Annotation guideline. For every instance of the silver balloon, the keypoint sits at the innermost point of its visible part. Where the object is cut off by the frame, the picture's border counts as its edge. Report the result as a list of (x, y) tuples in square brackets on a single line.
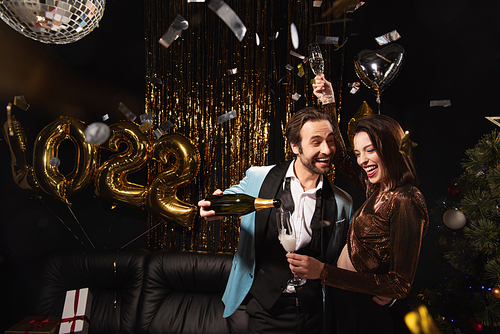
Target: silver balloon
[(377, 69), (97, 133), (53, 21)]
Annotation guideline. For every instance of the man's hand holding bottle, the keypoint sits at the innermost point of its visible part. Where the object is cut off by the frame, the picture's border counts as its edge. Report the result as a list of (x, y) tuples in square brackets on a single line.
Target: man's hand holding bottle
[(210, 214)]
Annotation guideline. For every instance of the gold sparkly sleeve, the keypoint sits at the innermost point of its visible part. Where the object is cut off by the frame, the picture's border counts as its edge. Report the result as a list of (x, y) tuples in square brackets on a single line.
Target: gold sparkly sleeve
[(342, 159), (408, 222)]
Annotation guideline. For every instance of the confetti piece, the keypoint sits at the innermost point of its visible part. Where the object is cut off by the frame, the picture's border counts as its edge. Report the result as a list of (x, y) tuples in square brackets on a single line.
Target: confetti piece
[(295, 35), (162, 129), (226, 117), (275, 37), (440, 103), (126, 111), (154, 80), (327, 40), (145, 127), (353, 8), (147, 117), (174, 31), (298, 55), (228, 15), (20, 102), (354, 87), (54, 162), (301, 70), (387, 38)]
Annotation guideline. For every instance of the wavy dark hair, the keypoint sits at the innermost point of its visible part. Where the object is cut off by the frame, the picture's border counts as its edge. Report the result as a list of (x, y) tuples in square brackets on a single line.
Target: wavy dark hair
[(386, 134), (297, 121)]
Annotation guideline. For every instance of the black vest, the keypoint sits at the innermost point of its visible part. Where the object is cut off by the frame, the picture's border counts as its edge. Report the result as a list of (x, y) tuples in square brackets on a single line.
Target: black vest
[(272, 271)]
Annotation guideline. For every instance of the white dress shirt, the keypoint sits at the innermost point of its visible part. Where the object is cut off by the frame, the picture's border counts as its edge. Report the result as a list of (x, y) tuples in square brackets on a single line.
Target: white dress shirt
[(305, 204)]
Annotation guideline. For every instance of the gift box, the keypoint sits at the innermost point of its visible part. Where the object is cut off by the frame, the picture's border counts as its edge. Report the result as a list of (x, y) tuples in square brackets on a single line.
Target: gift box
[(35, 325), (76, 312)]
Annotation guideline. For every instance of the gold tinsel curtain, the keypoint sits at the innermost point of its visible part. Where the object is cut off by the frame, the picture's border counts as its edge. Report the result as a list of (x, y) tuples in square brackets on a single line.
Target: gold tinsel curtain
[(198, 86)]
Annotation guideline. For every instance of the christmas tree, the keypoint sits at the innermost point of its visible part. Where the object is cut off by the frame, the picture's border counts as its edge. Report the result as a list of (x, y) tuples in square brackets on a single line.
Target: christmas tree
[(469, 246)]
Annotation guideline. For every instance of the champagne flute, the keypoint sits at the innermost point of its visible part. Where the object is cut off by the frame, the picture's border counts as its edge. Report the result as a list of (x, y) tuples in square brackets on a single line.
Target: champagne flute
[(316, 60), (288, 239)]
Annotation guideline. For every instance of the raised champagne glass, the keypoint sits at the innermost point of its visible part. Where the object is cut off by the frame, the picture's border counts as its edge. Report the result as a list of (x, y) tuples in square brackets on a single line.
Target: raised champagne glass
[(288, 239), (316, 61)]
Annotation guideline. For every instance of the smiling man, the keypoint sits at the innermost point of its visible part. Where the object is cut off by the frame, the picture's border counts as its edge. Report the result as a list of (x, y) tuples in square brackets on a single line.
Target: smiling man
[(257, 289)]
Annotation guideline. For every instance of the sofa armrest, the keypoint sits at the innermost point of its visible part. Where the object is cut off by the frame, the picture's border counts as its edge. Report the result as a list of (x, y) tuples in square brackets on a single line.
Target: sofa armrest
[(182, 293), (113, 277)]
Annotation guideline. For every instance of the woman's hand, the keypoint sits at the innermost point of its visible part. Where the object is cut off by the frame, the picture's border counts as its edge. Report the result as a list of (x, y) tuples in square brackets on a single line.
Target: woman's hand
[(209, 215), (323, 90), (305, 266)]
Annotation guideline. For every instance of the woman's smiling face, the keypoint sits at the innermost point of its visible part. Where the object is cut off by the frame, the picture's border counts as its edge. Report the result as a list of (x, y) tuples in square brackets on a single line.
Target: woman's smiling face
[(369, 159)]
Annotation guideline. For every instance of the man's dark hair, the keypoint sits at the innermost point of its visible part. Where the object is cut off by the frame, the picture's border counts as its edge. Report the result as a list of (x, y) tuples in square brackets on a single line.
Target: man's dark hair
[(297, 121)]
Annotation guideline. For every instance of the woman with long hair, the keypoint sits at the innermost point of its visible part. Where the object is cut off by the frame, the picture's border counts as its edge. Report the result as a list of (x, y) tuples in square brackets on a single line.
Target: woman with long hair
[(380, 257)]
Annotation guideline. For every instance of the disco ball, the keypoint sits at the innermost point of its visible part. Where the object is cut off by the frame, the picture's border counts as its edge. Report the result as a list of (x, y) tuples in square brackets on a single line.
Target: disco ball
[(52, 21)]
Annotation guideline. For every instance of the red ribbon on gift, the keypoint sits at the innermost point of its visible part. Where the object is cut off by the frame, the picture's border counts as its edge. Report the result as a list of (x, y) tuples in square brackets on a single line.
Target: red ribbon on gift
[(75, 317), (37, 322)]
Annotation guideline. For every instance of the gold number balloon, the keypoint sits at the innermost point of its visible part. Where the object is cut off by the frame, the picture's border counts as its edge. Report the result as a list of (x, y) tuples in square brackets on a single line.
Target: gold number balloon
[(50, 179), (162, 197), (22, 172), (111, 181)]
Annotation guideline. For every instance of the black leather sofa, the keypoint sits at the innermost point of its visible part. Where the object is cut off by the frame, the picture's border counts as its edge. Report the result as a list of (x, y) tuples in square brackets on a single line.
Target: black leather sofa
[(135, 291)]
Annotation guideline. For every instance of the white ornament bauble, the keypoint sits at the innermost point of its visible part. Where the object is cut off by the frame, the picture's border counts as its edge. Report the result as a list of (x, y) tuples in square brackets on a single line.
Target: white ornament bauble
[(52, 21), (454, 219)]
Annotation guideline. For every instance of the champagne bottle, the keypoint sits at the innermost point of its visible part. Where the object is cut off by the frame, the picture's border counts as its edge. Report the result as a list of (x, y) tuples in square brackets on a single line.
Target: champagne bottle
[(238, 204)]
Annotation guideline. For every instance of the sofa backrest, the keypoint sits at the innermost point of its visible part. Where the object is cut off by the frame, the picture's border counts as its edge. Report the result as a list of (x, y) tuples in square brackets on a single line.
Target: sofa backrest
[(182, 293), (113, 277)]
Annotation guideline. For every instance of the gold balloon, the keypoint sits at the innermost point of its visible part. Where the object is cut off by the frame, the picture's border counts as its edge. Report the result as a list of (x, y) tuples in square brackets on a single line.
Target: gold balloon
[(363, 110), (406, 144), (111, 181), (22, 172), (162, 196), (50, 179), (421, 322)]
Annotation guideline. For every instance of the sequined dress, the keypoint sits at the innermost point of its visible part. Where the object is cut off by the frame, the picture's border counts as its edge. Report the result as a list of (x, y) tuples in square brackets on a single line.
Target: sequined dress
[(384, 238)]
